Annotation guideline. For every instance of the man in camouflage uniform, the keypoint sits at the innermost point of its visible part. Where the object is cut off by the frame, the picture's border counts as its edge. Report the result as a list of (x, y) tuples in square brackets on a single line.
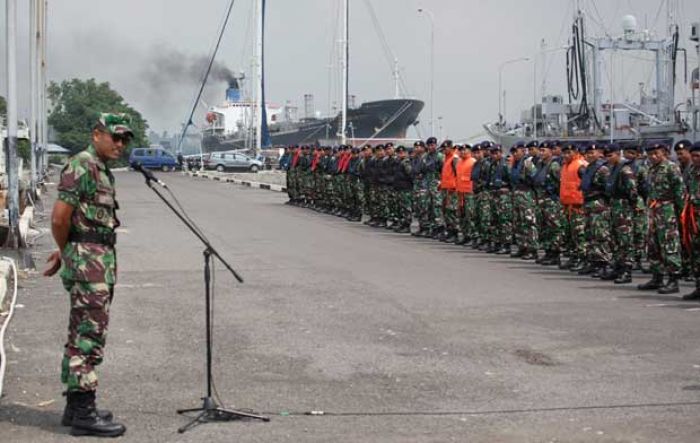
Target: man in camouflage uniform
[(597, 212), (421, 196), (691, 219), (666, 200), (682, 150), (83, 223), (433, 169), (481, 195), (524, 219), (448, 183), (546, 182), (621, 189), (354, 186), (639, 216), (403, 187), (374, 173), (574, 217), (501, 228)]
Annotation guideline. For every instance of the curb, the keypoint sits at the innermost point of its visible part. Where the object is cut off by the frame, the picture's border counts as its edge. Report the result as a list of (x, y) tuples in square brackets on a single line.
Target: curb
[(235, 181)]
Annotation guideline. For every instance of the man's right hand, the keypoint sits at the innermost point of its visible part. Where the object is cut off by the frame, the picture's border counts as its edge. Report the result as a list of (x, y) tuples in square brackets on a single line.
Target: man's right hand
[(54, 264)]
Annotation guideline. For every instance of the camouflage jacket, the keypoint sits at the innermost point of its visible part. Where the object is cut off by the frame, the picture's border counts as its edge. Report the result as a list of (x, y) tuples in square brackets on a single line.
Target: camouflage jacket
[(622, 183), (666, 183), (693, 186), (547, 179), (88, 186)]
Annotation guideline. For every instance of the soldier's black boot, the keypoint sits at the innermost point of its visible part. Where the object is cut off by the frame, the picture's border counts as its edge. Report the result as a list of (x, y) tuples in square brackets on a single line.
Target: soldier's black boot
[(655, 283), (450, 237), (518, 253), (671, 286), (611, 273), (493, 247), (529, 255), (695, 295), (624, 277), (87, 422), (504, 250), (550, 259), (600, 270), (69, 412), (586, 269)]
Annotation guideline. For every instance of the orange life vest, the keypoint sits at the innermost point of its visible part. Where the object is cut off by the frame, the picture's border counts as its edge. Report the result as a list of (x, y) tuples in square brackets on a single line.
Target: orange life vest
[(570, 190), (448, 179), (464, 175)]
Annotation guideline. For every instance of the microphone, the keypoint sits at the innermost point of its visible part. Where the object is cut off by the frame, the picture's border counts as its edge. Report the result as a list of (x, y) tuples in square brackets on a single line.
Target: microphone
[(148, 175)]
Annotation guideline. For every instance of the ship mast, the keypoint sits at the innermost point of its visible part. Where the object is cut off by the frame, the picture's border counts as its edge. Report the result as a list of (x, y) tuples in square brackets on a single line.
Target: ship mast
[(259, 77), (345, 64)]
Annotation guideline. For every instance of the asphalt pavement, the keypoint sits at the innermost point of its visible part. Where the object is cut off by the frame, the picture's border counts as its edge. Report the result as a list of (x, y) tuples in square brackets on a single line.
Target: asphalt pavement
[(395, 339)]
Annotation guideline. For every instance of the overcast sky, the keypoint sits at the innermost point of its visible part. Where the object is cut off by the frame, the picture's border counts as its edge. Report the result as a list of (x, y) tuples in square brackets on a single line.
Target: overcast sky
[(151, 51)]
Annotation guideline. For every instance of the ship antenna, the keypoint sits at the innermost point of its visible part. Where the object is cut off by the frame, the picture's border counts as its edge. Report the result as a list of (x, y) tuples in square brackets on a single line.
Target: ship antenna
[(204, 82)]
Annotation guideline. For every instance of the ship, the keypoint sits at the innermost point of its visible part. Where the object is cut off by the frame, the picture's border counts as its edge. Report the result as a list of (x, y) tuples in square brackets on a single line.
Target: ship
[(230, 124), (654, 116)]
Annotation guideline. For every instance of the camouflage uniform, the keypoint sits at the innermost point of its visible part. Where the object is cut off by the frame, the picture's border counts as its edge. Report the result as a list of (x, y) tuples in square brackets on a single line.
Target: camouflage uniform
[(480, 178), (421, 197), (691, 221), (665, 202), (546, 183), (403, 188), (524, 218), (597, 212), (89, 270), (622, 190), (640, 219), (501, 228), (433, 168)]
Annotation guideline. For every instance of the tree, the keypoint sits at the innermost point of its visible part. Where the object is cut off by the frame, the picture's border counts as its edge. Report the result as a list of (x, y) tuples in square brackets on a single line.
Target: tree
[(76, 107), (3, 106)]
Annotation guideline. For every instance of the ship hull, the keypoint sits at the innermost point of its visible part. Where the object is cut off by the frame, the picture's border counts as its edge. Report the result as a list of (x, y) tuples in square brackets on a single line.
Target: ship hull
[(383, 119)]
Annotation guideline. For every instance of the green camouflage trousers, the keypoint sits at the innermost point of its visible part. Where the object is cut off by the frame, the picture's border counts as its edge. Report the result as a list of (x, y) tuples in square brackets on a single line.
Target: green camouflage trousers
[(421, 205), (483, 215), (598, 242), (640, 222), (501, 229), (622, 227), (524, 220), (574, 232), (664, 239), (87, 329), (551, 221), (435, 211), (450, 210), (695, 246), (404, 199), (467, 214)]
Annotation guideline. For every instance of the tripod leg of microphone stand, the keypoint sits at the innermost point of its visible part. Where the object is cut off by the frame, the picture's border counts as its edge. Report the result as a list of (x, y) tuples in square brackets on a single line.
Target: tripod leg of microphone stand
[(201, 418), (235, 413)]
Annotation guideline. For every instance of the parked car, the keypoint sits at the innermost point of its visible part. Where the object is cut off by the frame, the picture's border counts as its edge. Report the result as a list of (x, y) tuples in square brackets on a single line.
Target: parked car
[(153, 158), (232, 161)]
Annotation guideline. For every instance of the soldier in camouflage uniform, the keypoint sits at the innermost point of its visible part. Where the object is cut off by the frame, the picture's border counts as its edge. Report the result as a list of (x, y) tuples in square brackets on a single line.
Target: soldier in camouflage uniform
[(421, 196), (403, 187), (448, 183), (666, 200), (572, 203), (621, 189), (546, 182), (691, 219), (83, 223), (596, 209), (682, 150), (433, 168), (639, 217), (374, 174), (524, 219), (501, 228), (484, 201)]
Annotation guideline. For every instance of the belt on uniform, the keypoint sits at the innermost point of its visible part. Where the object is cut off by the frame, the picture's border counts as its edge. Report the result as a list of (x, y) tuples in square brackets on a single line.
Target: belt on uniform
[(93, 237)]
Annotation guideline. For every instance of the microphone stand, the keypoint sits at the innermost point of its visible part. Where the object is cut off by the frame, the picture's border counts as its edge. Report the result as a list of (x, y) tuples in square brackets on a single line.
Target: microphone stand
[(210, 411)]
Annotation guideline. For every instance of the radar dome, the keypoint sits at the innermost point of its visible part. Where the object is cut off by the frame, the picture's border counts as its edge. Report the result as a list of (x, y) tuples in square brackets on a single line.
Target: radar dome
[(629, 24)]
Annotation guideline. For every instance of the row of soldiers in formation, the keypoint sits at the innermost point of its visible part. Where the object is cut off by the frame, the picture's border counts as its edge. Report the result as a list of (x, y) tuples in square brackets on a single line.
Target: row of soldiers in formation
[(599, 209)]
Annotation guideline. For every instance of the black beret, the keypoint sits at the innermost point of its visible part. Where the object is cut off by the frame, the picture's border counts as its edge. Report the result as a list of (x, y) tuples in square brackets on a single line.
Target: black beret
[(431, 141), (533, 144), (683, 144)]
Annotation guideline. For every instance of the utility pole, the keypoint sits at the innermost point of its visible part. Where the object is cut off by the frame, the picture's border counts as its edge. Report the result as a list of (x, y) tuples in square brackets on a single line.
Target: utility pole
[(259, 102), (432, 68), (13, 236), (33, 92)]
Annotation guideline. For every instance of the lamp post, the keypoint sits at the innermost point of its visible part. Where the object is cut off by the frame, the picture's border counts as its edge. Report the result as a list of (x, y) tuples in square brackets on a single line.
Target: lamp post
[(431, 17), (501, 97)]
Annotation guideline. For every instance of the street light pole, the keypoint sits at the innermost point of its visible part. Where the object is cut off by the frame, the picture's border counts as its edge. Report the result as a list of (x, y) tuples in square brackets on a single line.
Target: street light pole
[(13, 235), (431, 17), (501, 95)]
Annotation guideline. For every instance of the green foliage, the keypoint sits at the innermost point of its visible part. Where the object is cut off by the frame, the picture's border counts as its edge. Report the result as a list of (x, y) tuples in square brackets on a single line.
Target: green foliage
[(24, 151), (76, 107), (3, 105)]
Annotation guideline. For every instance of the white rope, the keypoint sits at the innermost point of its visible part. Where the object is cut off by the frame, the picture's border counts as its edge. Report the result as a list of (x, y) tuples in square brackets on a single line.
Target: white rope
[(3, 356)]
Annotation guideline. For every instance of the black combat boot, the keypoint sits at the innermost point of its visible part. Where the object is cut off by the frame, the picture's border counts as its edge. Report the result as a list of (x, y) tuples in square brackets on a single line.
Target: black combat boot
[(404, 229), (504, 249), (518, 253), (577, 265), (86, 420), (450, 237), (624, 277), (695, 295), (671, 286), (493, 248), (611, 273), (586, 269), (69, 411), (655, 283), (600, 269), (529, 255), (550, 259)]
